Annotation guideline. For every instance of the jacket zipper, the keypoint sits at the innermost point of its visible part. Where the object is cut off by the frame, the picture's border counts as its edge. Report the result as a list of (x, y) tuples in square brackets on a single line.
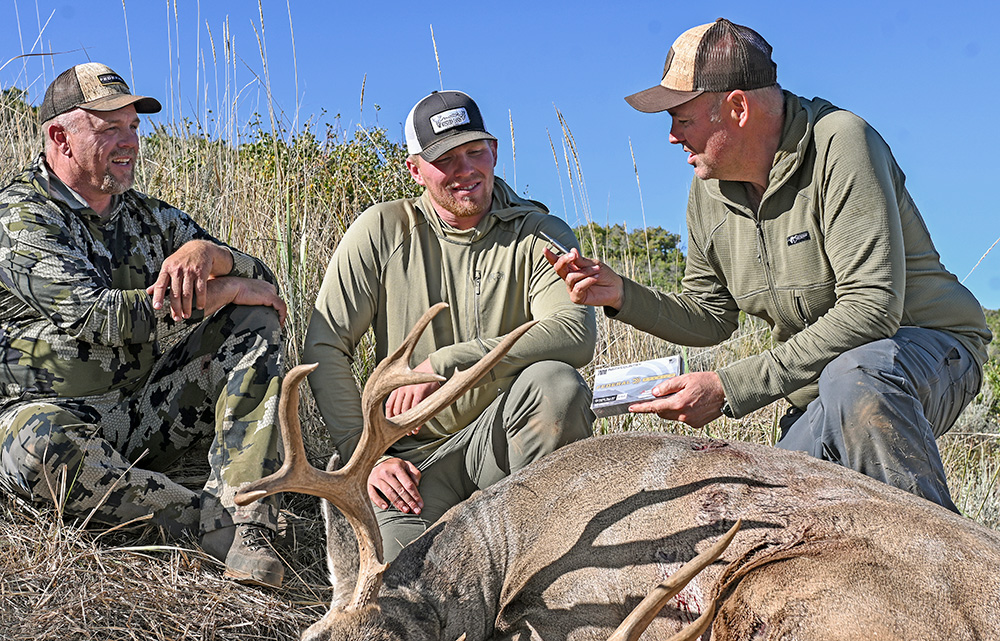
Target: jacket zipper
[(801, 308), (477, 280), (766, 262)]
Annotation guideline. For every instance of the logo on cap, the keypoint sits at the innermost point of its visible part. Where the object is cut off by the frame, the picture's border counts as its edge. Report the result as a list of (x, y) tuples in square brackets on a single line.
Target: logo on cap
[(111, 79), (448, 119)]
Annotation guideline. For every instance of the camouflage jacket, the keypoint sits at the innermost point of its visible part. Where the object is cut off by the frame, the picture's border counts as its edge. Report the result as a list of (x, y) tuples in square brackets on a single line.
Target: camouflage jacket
[(75, 319)]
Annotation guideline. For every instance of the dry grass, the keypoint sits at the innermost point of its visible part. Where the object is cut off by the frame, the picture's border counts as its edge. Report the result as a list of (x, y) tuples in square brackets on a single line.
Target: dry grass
[(58, 582)]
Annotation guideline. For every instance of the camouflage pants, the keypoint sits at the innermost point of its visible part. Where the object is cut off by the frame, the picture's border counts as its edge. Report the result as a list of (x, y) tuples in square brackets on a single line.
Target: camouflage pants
[(219, 380)]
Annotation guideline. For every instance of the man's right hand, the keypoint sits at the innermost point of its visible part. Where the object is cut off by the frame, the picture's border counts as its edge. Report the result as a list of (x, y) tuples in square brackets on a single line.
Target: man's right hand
[(222, 291), (403, 398), (396, 480), (589, 282), (185, 274)]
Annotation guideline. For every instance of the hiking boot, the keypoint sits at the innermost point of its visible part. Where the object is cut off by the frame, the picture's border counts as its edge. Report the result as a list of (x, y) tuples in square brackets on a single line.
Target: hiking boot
[(217, 542), (250, 557)]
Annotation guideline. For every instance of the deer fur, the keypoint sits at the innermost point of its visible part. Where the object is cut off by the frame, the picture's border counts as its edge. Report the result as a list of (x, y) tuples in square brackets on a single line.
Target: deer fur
[(567, 547)]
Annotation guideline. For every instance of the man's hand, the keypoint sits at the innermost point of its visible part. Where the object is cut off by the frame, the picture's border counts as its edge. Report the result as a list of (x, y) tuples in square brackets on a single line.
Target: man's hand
[(186, 272), (403, 398), (695, 399), (220, 292), (589, 282), (396, 480)]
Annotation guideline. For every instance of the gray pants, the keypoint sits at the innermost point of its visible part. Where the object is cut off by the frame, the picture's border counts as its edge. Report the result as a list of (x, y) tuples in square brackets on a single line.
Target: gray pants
[(881, 406), (547, 406)]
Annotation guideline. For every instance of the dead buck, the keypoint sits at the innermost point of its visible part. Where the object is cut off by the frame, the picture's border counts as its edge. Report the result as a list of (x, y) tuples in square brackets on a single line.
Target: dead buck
[(567, 548)]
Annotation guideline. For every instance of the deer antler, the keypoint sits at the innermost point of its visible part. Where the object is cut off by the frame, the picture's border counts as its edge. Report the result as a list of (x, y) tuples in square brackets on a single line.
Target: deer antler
[(644, 613), (346, 488)]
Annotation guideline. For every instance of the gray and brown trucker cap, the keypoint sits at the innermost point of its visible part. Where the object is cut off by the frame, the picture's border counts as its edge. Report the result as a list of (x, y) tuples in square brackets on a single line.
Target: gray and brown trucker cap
[(91, 86), (719, 56), (442, 121)]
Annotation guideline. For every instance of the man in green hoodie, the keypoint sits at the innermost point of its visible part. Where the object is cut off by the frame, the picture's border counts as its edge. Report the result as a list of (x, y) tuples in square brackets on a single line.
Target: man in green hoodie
[(798, 214), (470, 241)]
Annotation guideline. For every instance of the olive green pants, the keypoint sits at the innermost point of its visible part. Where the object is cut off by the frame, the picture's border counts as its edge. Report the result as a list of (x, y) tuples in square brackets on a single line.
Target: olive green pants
[(219, 381), (547, 406)]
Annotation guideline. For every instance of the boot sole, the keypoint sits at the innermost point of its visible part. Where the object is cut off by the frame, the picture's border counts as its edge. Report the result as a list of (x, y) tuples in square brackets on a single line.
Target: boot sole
[(245, 578)]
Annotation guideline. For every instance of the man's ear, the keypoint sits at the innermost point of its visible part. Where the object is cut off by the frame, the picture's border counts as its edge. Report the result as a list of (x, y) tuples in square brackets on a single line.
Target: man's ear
[(58, 138), (415, 171), (493, 148), (738, 107)]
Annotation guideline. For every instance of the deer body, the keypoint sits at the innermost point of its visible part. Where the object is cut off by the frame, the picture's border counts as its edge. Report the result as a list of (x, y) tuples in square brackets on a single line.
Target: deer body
[(568, 547), (609, 529)]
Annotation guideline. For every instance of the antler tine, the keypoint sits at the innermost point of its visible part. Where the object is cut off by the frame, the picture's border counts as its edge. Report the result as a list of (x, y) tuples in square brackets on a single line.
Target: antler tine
[(639, 619), (380, 384), (460, 382), (381, 432), (346, 488), (296, 474), (394, 372)]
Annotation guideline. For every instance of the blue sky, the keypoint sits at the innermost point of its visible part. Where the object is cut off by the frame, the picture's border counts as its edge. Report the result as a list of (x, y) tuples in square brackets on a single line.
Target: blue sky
[(924, 74)]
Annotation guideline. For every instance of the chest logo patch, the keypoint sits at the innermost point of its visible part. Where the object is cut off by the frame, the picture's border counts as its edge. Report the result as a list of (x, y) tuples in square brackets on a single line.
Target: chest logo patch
[(800, 237)]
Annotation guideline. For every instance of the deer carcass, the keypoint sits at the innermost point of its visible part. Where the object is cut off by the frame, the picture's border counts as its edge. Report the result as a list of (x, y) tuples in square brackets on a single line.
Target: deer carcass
[(568, 547)]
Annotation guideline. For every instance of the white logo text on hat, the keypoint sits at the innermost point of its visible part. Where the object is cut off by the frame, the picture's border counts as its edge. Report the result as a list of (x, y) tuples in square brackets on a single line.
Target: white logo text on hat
[(448, 119), (111, 79)]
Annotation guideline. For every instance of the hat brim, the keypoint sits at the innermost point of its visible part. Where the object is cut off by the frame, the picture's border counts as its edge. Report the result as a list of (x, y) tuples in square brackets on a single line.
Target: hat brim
[(659, 98), (440, 147), (143, 104)]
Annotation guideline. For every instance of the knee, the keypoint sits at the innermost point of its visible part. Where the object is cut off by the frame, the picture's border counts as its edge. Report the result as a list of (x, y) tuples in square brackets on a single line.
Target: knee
[(862, 376), (251, 332), (559, 382), (35, 446), (255, 318), (558, 378), (561, 399)]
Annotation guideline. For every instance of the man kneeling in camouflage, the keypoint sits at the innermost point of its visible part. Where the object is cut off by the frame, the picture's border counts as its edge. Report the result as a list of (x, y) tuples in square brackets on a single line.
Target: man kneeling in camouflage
[(128, 333)]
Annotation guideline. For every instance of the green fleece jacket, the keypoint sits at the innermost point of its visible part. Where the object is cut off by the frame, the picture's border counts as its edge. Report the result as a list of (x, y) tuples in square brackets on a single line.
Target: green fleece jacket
[(836, 256), (397, 260)]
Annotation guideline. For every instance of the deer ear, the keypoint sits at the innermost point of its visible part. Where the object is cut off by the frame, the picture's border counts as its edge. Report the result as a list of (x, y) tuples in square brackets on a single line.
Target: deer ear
[(341, 546)]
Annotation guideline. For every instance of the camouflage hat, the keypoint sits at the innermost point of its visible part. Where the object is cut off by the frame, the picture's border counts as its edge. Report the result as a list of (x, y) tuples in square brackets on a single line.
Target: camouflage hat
[(719, 56), (91, 86)]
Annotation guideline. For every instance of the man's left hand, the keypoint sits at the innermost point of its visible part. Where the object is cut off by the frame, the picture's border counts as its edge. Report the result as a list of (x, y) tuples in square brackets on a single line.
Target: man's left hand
[(695, 399), (185, 274), (403, 398)]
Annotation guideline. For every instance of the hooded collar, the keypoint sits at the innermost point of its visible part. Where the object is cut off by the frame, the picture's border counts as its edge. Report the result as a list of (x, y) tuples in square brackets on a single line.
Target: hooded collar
[(796, 136)]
